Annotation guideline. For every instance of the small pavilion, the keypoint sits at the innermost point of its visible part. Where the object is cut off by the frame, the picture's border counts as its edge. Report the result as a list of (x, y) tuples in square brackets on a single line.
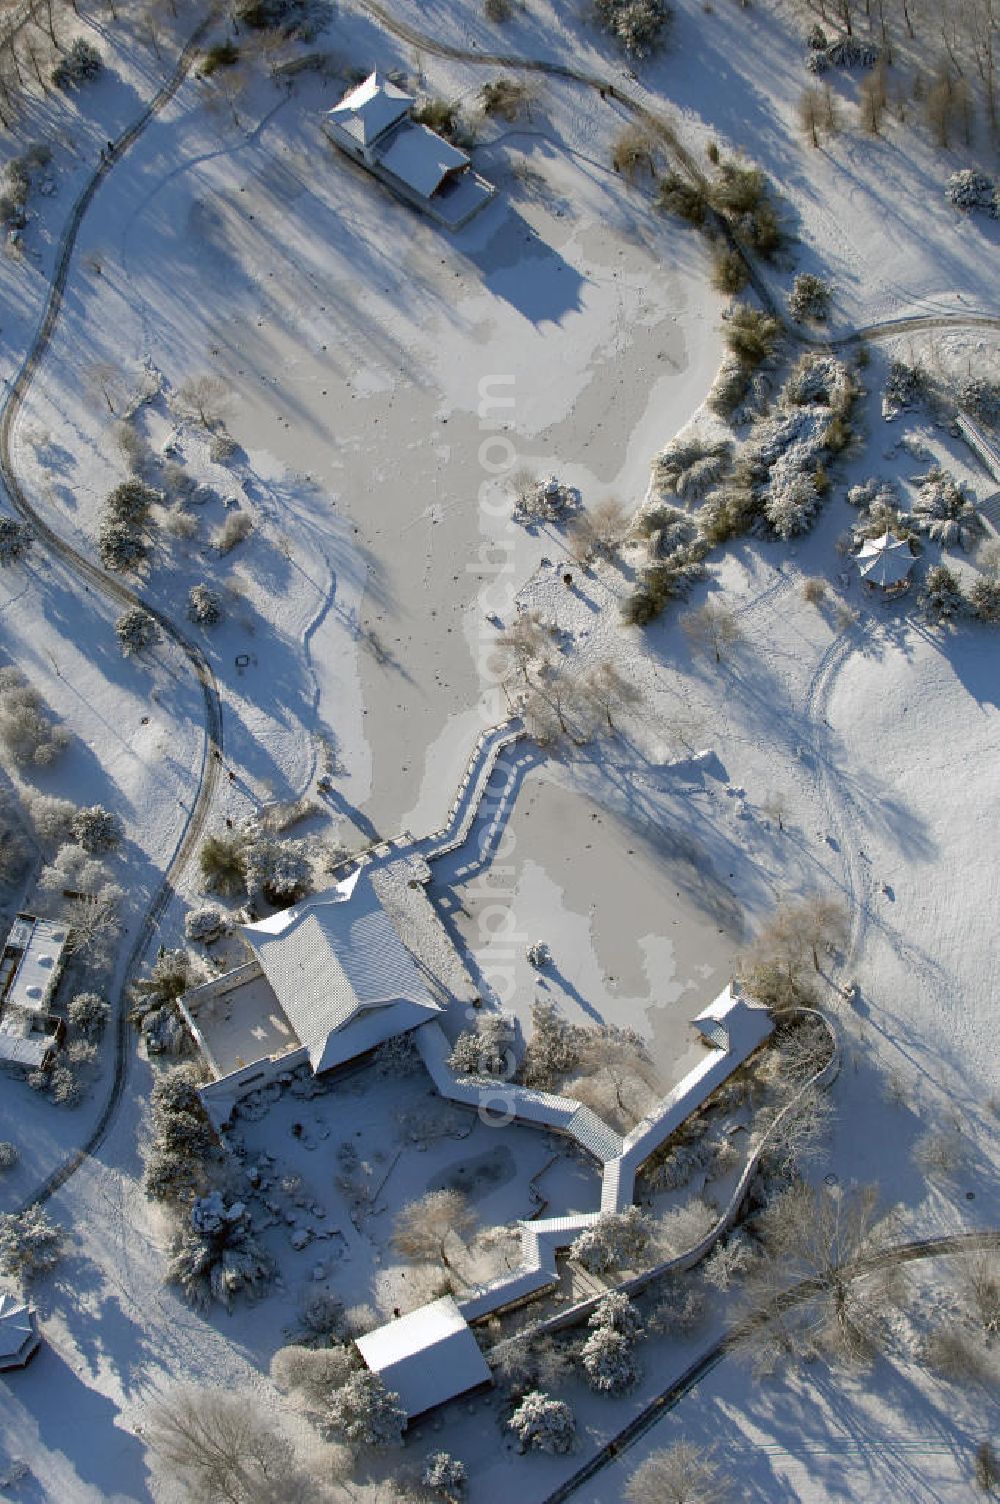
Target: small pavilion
[(885, 562)]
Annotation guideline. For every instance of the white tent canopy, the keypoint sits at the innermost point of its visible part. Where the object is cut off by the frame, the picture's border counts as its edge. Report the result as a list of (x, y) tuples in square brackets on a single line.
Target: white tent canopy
[(885, 560)]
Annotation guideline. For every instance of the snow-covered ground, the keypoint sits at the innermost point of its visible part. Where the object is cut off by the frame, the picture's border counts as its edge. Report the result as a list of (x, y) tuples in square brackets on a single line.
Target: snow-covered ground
[(370, 359)]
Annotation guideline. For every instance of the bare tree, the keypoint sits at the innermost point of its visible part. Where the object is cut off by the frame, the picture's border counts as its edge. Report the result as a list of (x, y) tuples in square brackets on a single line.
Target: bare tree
[(811, 112), (679, 1474), (608, 687), (204, 398), (872, 100), (797, 932), (827, 1282), (599, 531), (710, 628), (524, 642), (424, 1227), (224, 1446)]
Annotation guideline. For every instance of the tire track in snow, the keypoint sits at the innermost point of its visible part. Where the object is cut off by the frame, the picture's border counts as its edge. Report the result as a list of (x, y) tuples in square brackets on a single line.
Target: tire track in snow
[(119, 594)]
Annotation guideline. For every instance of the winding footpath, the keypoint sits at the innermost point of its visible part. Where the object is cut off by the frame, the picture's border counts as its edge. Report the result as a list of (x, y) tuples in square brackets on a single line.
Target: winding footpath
[(120, 595)]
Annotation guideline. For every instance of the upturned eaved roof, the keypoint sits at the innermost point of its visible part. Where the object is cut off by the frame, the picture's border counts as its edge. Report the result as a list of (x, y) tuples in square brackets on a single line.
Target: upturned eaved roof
[(885, 560), (342, 975), (421, 159), (18, 1333), (367, 111), (427, 1357)]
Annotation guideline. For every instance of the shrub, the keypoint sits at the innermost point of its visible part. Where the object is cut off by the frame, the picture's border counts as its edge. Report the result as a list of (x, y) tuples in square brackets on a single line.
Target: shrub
[(497, 10), (279, 871), (97, 830), (182, 1138), (30, 1243), (8, 1155), (81, 62), (442, 117), (637, 24), (237, 526), (136, 630), (751, 334), (685, 199), (679, 1474), (222, 861), (204, 924), (88, 1013), (631, 150), (542, 1424), (729, 271), (26, 730), (223, 55), (616, 1311), (15, 540), (204, 606), (222, 447), (312, 1372), (809, 298), (814, 591), (504, 97), (552, 1051)]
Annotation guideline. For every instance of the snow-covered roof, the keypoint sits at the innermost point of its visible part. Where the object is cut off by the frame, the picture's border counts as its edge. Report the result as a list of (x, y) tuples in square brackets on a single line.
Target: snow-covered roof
[(427, 1357), (731, 1023), (37, 945), (342, 975), (367, 111), (885, 560), (421, 159), (18, 1333)]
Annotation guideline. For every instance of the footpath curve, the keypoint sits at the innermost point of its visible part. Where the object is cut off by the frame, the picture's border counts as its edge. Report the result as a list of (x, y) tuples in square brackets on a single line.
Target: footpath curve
[(118, 594)]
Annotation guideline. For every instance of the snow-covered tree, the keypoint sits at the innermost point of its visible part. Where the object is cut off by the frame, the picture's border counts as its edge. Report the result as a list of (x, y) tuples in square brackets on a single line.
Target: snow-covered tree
[(984, 598), (809, 298), (8, 1155), (88, 1013), (204, 924), (136, 630), (942, 593), (182, 1137), (711, 628), (445, 1476), (616, 1311), (80, 62), (97, 830), (679, 1474), (26, 728), (608, 1361), (220, 1446), (313, 1373), (423, 1227), (617, 1240), (543, 1424), (120, 545), (944, 511), (215, 1255), (30, 1243), (790, 508), (637, 24), (969, 189), (364, 1412), (278, 870), (486, 1050), (52, 818), (204, 606), (15, 540), (729, 1260), (553, 1050)]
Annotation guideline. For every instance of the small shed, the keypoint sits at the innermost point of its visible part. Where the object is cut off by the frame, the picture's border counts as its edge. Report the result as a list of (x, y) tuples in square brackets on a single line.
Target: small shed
[(427, 1357), (19, 1337), (885, 561)]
